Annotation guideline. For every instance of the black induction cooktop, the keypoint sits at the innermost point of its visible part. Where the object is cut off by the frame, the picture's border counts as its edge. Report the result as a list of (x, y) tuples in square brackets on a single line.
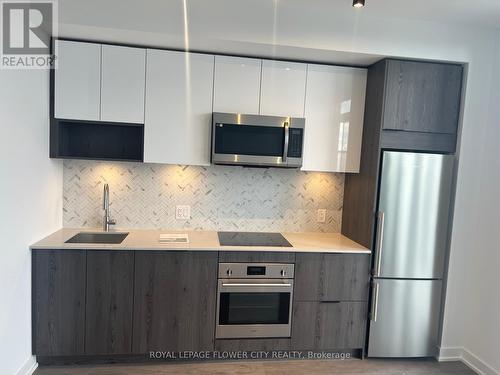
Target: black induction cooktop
[(252, 239)]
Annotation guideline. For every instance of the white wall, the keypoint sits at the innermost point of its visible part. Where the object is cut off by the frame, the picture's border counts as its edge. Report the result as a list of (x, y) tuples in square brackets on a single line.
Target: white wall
[(30, 205), (476, 289)]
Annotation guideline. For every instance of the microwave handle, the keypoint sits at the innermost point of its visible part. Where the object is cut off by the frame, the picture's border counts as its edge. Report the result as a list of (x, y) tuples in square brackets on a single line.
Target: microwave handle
[(287, 140)]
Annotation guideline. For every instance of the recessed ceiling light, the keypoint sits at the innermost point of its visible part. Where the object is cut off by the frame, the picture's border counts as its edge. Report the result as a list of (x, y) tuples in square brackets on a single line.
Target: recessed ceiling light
[(358, 3)]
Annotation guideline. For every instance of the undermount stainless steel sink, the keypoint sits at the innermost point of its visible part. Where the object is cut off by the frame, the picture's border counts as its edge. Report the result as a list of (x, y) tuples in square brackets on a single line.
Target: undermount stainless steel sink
[(104, 238)]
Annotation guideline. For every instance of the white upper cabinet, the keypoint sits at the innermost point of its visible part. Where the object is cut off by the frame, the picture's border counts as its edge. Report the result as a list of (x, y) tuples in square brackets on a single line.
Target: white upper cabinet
[(123, 80), (179, 90), (334, 110), (77, 80), (283, 88), (237, 85)]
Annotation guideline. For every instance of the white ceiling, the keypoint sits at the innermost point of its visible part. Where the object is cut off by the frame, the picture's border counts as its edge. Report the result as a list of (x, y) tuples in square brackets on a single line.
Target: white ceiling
[(294, 29), (130, 13)]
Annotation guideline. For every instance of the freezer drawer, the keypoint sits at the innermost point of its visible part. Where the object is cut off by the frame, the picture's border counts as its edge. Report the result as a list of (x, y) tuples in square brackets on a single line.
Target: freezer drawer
[(407, 318), (414, 208)]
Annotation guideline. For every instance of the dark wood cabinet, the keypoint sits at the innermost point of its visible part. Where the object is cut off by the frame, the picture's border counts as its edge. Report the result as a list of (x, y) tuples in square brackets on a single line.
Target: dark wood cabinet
[(110, 286), (174, 301), (410, 106), (332, 277), (422, 97), (58, 302), (327, 325)]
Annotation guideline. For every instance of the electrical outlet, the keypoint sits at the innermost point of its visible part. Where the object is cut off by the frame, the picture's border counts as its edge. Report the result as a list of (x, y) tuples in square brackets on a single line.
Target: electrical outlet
[(321, 215), (182, 212)]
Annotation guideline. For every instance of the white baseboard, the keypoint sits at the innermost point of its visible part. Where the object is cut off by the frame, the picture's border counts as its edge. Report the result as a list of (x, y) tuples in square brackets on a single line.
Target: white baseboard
[(465, 356), (29, 367)]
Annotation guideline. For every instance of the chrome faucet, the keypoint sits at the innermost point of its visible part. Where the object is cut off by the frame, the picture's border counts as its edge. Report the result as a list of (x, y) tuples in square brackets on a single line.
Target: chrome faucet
[(106, 221)]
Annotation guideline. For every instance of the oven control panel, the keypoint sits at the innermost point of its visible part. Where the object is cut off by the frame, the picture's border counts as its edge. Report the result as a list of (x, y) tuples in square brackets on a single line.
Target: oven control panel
[(256, 270)]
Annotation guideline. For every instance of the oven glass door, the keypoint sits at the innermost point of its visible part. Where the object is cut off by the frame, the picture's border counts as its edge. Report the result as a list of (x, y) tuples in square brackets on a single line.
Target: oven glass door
[(254, 308), (249, 140)]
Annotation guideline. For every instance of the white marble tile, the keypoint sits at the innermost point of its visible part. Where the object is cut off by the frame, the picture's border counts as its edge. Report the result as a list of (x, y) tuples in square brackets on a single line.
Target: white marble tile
[(225, 198)]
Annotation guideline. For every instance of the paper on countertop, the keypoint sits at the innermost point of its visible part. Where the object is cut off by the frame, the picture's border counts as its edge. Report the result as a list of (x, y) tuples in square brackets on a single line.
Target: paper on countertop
[(174, 238)]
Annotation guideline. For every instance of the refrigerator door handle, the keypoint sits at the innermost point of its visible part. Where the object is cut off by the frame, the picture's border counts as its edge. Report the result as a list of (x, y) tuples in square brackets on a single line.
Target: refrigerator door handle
[(374, 307), (379, 243)]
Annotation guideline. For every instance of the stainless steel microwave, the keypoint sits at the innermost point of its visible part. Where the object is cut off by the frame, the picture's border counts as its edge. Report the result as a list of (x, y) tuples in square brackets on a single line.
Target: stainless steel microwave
[(267, 141)]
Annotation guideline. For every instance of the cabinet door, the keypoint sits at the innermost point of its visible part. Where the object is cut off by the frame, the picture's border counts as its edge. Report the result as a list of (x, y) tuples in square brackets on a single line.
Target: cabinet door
[(77, 80), (283, 88), (334, 111), (178, 108), (110, 285), (422, 97), (123, 80), (332, 277), (326, 326), (174, 301), (237, 85), (58, 302)]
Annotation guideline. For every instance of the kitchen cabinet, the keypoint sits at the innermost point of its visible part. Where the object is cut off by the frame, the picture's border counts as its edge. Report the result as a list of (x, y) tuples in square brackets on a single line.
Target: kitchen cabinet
[(237, 85), (58, 306), (332, 277), (334, 111), (123, 84), (109, 296), (327, 325), (422, 97), (179, 90), (283, 88), (410, 105), (174, 301), (77, 80)]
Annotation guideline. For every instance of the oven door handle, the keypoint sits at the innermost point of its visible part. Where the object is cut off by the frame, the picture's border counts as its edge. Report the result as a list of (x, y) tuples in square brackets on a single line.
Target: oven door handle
[(254, 285)]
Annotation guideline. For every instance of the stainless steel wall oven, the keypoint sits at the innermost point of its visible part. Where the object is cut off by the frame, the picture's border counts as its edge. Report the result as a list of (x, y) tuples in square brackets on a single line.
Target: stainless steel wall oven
[(254, 300)]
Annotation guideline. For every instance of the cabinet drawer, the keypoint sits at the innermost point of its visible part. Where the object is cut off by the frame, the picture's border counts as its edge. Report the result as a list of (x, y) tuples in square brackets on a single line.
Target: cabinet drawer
[(326, 325), (332, 277)]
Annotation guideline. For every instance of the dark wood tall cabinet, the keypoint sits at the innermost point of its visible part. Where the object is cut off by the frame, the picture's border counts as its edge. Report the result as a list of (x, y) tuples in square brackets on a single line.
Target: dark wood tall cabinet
[(410, 106)]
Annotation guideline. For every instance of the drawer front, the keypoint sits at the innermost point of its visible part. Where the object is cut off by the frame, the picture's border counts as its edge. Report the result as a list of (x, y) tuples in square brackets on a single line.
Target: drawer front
[(252, 345), (326, 326), (256, 257), (332, 277)]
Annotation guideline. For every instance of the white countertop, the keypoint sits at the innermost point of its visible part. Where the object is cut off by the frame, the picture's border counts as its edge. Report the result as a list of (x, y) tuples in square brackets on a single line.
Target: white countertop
[(146, 239)]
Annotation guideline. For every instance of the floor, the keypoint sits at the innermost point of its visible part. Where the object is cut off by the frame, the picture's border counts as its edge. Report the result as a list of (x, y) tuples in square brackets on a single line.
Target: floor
[(353, 366)]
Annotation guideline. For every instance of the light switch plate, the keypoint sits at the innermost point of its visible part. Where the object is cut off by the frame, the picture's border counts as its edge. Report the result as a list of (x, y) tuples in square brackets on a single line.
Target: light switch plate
[(321, 215), (182, 212)]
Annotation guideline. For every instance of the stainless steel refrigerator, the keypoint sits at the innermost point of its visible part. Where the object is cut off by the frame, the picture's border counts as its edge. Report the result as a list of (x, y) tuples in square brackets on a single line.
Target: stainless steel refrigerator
[(410, 250)]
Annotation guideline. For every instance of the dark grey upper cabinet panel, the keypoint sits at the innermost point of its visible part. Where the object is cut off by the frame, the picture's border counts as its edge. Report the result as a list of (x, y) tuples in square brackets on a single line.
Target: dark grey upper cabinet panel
[(58, 302), (174, 301), (422, 97), (110, 286), (332, 277)]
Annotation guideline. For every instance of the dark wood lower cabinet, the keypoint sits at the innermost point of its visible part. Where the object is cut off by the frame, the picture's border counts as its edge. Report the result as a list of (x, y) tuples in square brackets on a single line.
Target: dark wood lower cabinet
[(326, 325), (58, 302), (128, 303), (332, 277), (110, 286), (175, 297)]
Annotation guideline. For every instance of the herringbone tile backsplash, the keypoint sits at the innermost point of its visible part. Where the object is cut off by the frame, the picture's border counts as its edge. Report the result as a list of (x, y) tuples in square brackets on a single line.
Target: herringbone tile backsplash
[(221, 198)]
